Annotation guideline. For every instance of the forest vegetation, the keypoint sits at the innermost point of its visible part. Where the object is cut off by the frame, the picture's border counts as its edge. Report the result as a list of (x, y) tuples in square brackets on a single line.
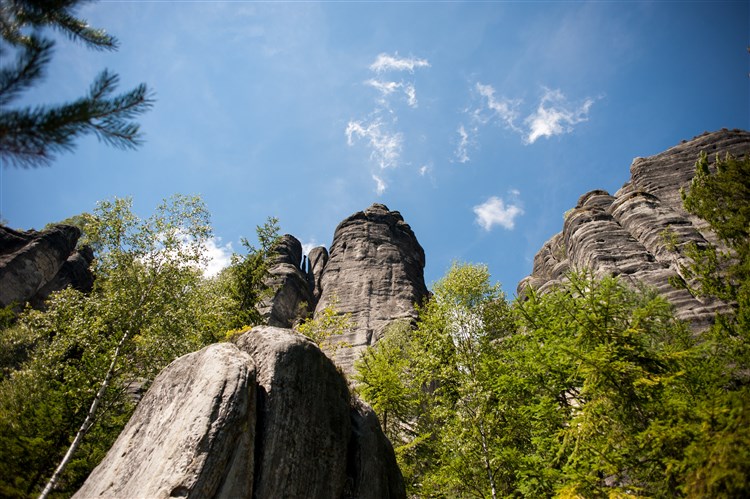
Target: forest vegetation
[(592, 390)]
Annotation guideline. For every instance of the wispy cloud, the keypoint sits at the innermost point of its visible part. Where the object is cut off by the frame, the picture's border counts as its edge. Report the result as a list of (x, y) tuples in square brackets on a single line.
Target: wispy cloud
[(386, 88), (380, 184), (462, 150), (495, 211), (555, 116), (411, 94), (385, 62), (424, 169), (504, 109), (380, 130), (386, 146)]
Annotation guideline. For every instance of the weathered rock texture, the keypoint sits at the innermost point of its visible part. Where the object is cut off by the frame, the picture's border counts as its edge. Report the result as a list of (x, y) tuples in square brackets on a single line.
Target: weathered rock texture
[(375, 272), (303, 415), (34, 264), (269, 417), (292, 294), (192, 435), (641, 233)]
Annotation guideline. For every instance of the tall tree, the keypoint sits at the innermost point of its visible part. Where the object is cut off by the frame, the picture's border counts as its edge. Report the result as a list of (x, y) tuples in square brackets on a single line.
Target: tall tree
[(31, 136), (719, 459), (150, 304), (246, 279)]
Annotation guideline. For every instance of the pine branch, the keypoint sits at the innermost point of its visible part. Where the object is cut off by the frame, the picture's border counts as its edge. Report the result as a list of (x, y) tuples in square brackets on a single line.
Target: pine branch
[(27, 70), (31, 137)]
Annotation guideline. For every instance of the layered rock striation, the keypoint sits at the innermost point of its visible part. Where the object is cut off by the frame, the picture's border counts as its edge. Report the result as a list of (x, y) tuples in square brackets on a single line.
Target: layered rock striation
[(642, 232), (35, 264), (375, 272), (269, 416)]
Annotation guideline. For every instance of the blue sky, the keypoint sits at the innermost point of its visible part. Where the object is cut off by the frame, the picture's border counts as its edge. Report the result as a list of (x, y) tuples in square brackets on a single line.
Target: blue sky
[(481, 122)]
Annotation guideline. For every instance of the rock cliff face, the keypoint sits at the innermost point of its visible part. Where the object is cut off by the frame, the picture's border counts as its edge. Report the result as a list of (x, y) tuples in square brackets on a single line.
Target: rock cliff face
[(641, 233), (292, 296), (267, 417), (375, 272), (34, 264)]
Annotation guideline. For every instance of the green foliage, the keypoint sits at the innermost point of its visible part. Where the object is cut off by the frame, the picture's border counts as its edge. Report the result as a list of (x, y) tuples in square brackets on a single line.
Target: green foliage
[(720, 196), (718, 459), (149, 305), (384, 378), (591, 390), (329, 324), (245, 280), (32, 136)]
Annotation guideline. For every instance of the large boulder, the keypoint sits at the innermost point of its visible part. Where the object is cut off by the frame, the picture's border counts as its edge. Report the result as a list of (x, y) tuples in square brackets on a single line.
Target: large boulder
[(34, 264), (192, 435), (269, 416), (375, 272), (303, 416), (642, 232)]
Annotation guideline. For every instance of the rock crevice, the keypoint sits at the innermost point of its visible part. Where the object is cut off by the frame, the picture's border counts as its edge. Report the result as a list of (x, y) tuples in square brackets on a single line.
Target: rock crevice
[(269, 416)]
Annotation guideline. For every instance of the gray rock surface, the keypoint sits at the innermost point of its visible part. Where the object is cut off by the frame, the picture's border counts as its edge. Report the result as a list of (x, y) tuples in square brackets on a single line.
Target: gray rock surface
[(317, 261), (303, 416), (267, 417), (292, 297), (34, 264), (375, 272), (374, 471), (192, 435), (641, 233)]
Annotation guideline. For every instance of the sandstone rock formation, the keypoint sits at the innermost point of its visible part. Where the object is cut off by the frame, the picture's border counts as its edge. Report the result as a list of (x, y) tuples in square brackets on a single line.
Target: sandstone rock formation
[(292, 295), (191, 436), (375, 272), (267, 417), (641, 233), (303, 416), (34, 264)]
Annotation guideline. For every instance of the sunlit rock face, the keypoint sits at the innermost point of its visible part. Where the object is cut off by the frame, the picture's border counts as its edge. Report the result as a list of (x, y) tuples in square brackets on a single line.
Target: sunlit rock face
[(640, 233), (266, 417), (375, 272), (35, 264), (192, 434)]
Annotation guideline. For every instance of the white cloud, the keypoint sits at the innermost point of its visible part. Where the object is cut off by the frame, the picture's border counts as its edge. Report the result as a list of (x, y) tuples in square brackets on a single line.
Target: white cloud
[(411, 95), (385, 62), (217, 257), (555, 116), (495, 211), (306, 247), (504, 109), (462, 151), (386, 88), (385, 146), (380, 184), (424, 169)]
